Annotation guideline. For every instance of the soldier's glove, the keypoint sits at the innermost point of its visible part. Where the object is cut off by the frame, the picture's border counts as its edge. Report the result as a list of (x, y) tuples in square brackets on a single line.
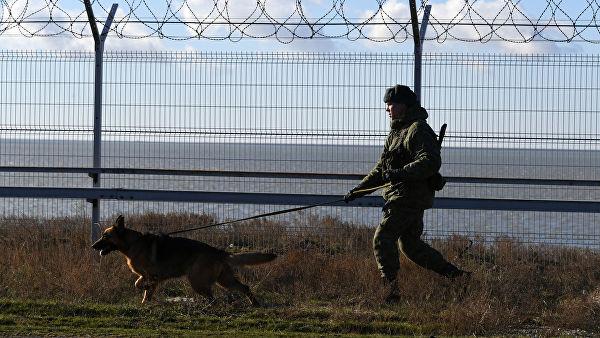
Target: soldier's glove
[(394, 175), (350, 196)]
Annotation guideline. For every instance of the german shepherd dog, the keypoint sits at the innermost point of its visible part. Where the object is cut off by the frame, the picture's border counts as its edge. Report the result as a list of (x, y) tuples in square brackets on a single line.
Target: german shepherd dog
[(155, 258)]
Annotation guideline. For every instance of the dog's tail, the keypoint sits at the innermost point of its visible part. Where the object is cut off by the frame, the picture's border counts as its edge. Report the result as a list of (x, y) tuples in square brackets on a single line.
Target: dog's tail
[(252, 258)]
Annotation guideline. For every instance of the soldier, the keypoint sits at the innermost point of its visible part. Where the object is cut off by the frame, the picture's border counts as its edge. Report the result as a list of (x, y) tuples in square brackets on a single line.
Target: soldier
[(410, 160)]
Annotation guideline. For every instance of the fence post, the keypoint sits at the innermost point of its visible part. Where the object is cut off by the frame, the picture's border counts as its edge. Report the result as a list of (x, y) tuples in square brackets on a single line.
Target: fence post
[(99, 50), (418, 38)]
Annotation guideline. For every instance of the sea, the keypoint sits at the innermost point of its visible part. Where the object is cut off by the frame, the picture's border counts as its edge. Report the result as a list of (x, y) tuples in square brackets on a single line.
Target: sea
[(573, 228)]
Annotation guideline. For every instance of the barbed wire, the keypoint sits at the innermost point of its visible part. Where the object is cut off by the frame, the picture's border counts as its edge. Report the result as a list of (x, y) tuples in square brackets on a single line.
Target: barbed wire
[(287, 20)]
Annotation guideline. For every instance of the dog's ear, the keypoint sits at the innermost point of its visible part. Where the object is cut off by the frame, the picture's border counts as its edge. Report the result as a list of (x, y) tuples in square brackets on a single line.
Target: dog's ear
[(120, 222)]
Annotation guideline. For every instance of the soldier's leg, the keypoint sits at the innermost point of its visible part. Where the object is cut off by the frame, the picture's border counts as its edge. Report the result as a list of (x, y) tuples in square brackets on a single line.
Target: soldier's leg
[(420, 252), (385, 245)]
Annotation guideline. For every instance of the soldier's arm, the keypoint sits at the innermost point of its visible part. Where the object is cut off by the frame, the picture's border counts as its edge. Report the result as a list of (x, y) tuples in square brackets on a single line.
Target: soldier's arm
[(424, 147), (374, 178)]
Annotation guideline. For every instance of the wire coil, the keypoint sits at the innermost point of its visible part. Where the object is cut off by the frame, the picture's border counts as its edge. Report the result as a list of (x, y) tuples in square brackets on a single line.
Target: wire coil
[(475, 21)]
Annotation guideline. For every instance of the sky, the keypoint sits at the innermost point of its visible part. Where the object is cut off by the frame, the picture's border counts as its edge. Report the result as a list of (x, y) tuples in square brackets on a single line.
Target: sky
[(542, 99), (317, 11)]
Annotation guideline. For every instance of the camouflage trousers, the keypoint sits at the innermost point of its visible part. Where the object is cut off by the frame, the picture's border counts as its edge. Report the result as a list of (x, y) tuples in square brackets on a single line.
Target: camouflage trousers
[(402, 227)]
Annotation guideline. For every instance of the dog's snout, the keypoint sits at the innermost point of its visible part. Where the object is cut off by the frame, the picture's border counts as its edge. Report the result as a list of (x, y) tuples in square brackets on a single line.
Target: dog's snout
[(99, 244), (95, 245)]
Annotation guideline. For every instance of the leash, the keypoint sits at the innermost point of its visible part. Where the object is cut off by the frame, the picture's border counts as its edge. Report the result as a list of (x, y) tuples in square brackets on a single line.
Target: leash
[(366, 191), (256, 216)]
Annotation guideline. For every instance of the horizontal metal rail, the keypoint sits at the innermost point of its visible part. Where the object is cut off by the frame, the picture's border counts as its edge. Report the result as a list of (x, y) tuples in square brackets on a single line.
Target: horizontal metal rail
[(289, 199), (263, 174), (181, 172)]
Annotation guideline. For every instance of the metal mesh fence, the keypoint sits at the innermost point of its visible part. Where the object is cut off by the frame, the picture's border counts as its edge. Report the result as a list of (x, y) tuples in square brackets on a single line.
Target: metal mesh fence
[(526, 117)]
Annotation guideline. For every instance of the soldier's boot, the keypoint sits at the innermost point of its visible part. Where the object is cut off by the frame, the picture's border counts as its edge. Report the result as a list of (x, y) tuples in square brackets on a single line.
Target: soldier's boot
[(462, 279), (392, 296)]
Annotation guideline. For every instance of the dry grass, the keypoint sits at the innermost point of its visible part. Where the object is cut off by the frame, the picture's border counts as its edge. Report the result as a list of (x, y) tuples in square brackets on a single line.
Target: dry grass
[(514, 287)]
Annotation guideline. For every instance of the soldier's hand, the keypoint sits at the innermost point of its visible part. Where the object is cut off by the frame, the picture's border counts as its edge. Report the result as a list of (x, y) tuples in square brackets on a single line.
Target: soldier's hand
[(350, 196), (394, 175)]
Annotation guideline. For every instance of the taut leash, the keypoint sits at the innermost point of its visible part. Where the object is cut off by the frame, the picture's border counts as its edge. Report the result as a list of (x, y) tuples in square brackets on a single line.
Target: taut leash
[(256, 216), (368, 190)]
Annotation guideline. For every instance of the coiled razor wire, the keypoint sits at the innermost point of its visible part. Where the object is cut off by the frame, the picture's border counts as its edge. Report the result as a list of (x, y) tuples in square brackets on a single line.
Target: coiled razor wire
[(287, 20)]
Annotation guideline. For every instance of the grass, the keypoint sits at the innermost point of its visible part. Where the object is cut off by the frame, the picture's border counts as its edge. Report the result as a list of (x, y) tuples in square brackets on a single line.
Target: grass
[(26, 317), (323, 282)]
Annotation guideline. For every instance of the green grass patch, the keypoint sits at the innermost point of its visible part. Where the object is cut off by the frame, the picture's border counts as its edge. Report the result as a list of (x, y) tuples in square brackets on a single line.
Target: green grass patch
[(26, 317)]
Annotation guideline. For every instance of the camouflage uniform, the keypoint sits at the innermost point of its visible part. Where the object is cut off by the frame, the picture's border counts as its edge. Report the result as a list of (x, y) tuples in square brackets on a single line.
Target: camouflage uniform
[(412, 148)]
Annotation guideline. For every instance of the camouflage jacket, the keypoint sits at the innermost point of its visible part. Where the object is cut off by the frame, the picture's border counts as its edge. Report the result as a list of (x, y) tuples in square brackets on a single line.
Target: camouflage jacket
[(413, 147)]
